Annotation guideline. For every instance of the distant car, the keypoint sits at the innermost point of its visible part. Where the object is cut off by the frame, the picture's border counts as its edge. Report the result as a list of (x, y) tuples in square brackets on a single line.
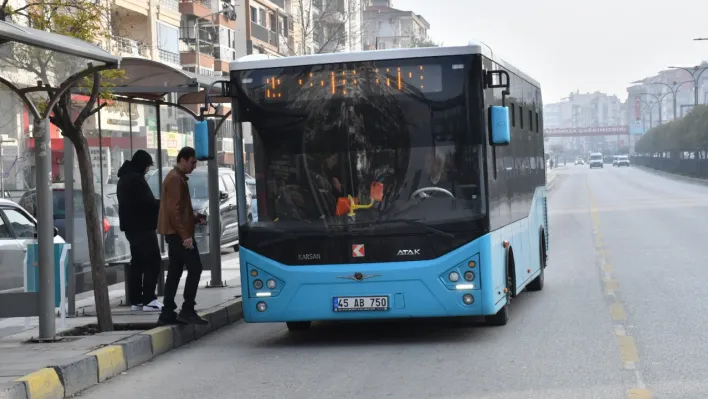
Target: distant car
[(622, 160), (579, 161), (17, 229), (596, 160)]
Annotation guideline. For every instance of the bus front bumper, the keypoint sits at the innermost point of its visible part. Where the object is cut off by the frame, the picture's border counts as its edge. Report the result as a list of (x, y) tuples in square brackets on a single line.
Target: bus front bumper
[(409, 289)]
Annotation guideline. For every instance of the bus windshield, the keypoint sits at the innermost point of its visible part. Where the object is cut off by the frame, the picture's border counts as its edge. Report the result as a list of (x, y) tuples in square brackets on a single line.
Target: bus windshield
[(391, 136)]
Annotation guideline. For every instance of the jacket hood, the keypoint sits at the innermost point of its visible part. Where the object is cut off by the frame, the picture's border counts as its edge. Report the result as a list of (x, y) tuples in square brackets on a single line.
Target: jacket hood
[(126, 168)]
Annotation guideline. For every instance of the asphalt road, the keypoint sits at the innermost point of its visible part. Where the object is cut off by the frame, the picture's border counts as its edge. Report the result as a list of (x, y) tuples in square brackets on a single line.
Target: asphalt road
[(622, 315)]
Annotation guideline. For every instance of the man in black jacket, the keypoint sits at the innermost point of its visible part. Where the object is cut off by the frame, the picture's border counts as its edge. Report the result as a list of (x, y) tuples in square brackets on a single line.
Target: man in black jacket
[(138, 210)]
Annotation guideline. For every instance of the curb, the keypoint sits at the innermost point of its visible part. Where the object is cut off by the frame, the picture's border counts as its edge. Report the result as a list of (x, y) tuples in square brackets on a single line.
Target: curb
[(66, 379), (552, 182)]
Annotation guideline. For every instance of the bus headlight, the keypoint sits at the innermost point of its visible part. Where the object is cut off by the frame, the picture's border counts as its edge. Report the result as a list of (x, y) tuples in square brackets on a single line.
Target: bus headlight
[(257, 284), (261, 306), (270, 284), (454, 277), (468, 299)]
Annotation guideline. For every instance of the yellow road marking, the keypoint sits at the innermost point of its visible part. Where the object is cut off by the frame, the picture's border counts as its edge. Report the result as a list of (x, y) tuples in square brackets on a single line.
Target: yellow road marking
[(638, 393), (628, 348), (611, 285), (617, 312), (607, 267)]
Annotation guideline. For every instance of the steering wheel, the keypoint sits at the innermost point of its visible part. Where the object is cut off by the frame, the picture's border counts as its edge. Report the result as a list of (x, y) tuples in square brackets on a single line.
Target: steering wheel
[(422, 192)]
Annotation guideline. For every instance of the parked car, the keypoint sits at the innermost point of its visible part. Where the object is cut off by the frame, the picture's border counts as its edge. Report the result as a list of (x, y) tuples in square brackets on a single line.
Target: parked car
[(199, 192), (18, 228), (115, 245)]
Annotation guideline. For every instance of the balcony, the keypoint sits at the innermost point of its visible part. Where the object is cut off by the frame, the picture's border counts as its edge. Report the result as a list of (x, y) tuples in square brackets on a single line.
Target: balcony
[(168, 57), (259, 32), (124, 46), (199, 8), (190, 58), (172, 5), (279, 3)]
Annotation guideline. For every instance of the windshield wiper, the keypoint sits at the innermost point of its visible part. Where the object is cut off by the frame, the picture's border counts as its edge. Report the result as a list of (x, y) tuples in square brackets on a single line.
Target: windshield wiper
[(414, 222)]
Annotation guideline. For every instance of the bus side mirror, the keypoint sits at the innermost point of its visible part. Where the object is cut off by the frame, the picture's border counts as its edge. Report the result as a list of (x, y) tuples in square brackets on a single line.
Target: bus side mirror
[(501, 133)]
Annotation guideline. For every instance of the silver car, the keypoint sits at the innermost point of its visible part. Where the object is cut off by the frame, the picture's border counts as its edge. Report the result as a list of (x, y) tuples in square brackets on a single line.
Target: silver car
[(17, 229)]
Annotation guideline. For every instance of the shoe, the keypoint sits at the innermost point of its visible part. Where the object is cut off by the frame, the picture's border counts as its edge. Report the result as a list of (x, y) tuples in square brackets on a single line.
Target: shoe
[(168, 319), (136, 308), (190, 317), (154, 306)]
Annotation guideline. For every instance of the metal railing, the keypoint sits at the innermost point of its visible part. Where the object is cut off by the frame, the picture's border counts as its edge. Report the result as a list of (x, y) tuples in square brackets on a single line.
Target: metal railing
[(171, 4), (169, 57), (125, 46)]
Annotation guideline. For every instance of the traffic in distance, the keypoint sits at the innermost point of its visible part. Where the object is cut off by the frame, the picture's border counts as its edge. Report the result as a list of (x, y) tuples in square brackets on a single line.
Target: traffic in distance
[(390, 184)]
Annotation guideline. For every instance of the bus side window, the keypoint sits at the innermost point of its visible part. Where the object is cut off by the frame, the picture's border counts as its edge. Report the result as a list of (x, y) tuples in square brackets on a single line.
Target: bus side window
[(538, 128), (530, 120), (521, 117), (513, 115)]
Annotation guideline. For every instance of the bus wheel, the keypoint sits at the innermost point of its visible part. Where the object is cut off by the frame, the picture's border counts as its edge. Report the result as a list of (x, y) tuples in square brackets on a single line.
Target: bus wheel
[(538, 282), (298, 325)]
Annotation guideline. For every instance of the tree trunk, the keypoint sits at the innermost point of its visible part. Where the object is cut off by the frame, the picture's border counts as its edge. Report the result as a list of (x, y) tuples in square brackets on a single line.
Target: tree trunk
[(94, 234)]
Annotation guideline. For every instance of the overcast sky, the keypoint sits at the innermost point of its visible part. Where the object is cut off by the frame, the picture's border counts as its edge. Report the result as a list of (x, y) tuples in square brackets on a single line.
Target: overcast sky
[(602, 45)]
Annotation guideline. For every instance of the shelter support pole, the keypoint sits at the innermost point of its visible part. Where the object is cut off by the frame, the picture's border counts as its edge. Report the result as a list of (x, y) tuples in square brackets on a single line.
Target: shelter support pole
[(45, 231), (69, 221), (214, 205)]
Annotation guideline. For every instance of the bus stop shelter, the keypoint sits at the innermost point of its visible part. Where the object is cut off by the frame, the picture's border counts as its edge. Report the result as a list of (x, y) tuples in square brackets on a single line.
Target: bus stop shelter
[(40, 67), (157, 85)]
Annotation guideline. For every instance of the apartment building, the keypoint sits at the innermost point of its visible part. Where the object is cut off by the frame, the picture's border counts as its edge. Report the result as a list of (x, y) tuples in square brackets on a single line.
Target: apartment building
[(147, 29), (207, 37), (387, 27)]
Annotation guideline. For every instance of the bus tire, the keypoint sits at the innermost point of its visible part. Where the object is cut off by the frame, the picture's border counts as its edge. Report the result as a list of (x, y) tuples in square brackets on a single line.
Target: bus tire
[(298, 325)]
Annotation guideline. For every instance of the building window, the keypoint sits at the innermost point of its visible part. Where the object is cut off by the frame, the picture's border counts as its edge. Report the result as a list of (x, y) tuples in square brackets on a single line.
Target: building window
[(254, 14), (284, 26), (167, 37)]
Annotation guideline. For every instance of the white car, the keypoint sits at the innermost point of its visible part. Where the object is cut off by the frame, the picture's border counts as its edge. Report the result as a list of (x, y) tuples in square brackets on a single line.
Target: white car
[(17, 230), (596, 160), (622, 160)]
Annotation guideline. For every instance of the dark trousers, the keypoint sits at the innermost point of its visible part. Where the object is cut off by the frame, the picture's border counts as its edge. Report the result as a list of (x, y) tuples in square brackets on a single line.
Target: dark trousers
[(179, 258), (144, 266)]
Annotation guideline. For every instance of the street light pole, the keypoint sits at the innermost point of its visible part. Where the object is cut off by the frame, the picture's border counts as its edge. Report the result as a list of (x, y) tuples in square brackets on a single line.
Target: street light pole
[(695, 74), (674, 90)]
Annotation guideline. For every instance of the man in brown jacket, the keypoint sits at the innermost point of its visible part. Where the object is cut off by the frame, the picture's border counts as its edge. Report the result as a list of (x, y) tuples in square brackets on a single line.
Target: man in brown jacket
[(176, 222)]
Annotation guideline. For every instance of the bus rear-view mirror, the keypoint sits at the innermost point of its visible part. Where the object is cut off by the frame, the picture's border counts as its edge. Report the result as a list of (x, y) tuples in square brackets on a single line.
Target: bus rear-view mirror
[(501, 132)]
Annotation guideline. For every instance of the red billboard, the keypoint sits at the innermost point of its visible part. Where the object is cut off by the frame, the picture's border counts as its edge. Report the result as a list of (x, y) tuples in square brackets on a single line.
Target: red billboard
[(586, 131)]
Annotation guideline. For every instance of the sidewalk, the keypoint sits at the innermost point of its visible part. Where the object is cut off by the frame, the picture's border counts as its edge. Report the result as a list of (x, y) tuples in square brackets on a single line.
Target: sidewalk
[(82, 359), (552, 176)]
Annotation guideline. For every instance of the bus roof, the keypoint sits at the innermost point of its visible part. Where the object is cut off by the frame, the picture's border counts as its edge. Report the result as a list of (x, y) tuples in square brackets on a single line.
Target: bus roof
[(249, 63)]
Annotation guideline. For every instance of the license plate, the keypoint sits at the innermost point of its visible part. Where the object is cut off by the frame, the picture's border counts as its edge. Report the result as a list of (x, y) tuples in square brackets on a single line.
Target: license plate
[(360, 303)]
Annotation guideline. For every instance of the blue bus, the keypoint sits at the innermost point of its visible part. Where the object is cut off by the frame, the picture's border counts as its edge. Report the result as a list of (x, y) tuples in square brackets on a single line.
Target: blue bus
[(390, 184)]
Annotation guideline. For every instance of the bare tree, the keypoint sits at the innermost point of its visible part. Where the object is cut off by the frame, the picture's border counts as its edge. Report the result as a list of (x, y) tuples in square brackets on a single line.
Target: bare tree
[(325, 26), (424, 42), (86, 20)]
